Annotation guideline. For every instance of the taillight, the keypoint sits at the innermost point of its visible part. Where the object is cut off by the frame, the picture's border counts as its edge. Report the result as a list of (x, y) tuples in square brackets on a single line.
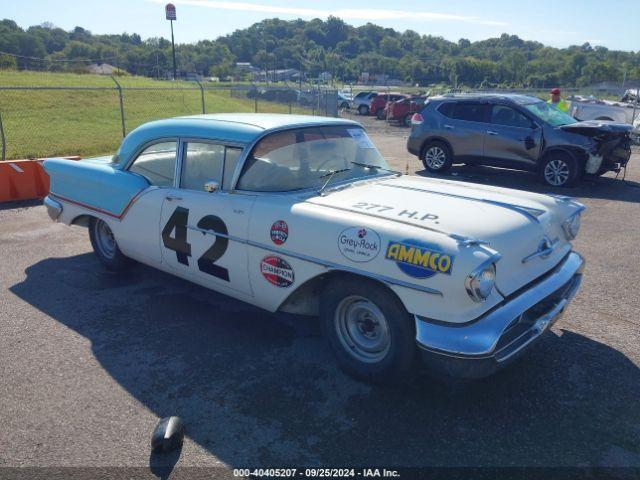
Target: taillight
[(416, 119)]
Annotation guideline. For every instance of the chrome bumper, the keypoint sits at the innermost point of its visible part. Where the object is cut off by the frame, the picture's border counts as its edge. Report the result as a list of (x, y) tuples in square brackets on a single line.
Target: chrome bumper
[(504, 332), (54, 208)]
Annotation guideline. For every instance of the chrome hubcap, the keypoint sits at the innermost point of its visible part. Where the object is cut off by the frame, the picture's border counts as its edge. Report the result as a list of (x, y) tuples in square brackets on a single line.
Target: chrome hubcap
[(435, 158), (105, 239), (556, 172), (362, 329)]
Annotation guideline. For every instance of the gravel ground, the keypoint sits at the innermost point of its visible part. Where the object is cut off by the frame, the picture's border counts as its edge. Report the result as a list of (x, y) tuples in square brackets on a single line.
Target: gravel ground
[(90, 361)]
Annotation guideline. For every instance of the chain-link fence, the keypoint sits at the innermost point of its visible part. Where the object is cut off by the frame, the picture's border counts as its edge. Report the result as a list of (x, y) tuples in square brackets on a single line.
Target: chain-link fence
[(49, 121)]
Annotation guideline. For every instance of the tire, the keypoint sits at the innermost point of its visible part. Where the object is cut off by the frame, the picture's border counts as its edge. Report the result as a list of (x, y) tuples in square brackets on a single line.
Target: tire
[(363, 110), (380, 114), (105, 246), (436, 157), (344, 106), (406, 121), (559, 170), (370, 332)]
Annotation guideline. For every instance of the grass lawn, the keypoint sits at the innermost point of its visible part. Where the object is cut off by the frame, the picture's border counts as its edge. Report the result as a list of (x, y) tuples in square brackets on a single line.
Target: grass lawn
[(45, 123)]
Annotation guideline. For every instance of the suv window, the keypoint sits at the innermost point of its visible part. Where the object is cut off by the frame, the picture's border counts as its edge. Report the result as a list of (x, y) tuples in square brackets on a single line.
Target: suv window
[(471, 112), (504, 115), (446, 109), (157, 164)]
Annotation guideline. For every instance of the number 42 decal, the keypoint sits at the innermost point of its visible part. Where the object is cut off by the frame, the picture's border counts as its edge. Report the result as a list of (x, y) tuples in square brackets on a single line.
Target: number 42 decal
[(179, 244)]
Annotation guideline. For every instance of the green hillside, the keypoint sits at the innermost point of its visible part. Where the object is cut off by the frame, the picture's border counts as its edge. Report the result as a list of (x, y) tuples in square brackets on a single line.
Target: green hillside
[(86, 121)]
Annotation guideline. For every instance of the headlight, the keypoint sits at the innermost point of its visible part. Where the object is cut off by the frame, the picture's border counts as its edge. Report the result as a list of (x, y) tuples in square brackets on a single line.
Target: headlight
[(480, 282), (571, 226)]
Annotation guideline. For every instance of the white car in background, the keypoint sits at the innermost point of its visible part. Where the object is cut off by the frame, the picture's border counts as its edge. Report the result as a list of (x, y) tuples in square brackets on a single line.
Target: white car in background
[(302, 214)]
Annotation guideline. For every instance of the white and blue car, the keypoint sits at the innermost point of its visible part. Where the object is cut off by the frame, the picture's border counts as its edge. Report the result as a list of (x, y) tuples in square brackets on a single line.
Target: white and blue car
[(302, 214)]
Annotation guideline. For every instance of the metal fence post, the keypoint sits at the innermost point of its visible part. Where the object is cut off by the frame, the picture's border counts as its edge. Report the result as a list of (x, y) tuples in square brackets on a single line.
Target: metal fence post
[(255, 104), (124, 130), (4, 146), (201, 95)]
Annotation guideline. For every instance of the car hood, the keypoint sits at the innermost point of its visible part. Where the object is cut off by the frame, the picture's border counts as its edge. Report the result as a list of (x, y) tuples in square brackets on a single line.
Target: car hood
[(512, 222), (592, 128)]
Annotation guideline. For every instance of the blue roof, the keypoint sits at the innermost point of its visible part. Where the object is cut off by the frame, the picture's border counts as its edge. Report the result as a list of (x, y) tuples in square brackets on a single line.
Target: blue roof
[(242, 128)]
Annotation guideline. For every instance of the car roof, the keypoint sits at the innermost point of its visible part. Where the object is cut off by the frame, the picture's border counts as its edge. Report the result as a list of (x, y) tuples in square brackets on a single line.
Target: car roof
[(513, 97), (238, 128)]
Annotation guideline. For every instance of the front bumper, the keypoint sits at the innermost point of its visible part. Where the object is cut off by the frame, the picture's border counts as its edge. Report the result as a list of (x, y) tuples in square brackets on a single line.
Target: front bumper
[(479, 348)]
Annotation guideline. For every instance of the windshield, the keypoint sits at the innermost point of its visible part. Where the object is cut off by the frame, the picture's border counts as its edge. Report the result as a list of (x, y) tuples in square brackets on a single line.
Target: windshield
[(304, 157), (550, 114)]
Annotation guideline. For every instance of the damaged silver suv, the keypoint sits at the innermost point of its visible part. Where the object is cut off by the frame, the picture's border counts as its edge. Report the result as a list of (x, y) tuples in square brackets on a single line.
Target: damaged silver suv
[(518, 132)]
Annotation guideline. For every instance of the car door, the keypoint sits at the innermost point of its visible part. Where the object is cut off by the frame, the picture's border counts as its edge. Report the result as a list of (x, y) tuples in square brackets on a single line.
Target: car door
[(512, 139), (156, 162), (464, 128), (203, 227)]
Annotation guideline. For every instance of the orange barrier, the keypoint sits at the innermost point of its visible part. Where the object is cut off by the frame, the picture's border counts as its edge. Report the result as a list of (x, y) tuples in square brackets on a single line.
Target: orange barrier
[(24, 179)]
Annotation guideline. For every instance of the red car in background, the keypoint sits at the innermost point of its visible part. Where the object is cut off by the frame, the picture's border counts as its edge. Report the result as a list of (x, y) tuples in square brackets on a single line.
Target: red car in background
[(402, 110), (380, 101)]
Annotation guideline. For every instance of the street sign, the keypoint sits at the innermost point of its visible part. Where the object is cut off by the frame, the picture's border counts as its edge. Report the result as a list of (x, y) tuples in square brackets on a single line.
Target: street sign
[(170, 11)]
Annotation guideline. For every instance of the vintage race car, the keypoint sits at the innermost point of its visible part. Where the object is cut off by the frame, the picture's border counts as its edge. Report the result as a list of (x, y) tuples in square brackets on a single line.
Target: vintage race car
[(302, 214)]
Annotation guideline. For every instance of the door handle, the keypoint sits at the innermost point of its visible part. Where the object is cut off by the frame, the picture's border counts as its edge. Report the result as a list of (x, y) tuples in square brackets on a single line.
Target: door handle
[(448, 127), (173, 197), (491, 132)]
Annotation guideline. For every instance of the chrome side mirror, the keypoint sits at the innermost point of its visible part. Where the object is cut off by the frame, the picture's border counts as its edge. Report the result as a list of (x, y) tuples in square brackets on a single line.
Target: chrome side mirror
[(211, 186)]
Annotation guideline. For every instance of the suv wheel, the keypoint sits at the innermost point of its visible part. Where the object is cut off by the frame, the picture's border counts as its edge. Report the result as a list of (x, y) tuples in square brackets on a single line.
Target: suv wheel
[(559, 170), (407, 119), (437, 157), (381, 114), (363, 110)]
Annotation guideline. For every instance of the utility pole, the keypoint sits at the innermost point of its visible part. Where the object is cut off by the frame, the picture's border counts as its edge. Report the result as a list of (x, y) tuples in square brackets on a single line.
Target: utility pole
[(170, 12)]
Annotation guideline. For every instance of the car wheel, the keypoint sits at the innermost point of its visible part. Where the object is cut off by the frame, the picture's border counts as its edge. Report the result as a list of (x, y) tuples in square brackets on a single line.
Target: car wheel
[(363, 110), (105, 246), (437, 157), (370, 332), (344, 106), (406, 121), (381, 114), (559, 170)]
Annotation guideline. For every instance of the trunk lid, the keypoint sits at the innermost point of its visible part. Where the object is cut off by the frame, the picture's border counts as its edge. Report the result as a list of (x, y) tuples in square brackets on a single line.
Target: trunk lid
[(513, 222)]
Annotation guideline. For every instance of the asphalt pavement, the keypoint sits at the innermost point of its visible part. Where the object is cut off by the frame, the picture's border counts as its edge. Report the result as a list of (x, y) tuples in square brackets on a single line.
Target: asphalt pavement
[(90, 360)]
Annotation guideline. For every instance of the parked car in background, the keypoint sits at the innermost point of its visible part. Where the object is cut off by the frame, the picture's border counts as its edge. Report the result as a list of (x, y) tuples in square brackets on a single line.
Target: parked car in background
[(590, 108), (380, 101), (254, 206), (362, 101), (516, 131), (402, 110), (344, 102)]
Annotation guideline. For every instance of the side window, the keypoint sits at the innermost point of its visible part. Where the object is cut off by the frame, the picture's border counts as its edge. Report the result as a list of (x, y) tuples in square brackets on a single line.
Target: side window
[(470, 112), (232, 155), (446, 109), (503, 115), (157, 164), (203, 162)]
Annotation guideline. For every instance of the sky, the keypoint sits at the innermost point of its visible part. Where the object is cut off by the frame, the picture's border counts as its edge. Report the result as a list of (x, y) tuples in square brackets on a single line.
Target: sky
[(557, 23)]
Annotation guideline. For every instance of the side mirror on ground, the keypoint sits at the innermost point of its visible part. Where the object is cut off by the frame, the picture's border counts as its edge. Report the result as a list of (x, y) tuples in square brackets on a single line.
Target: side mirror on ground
[(211, 186)]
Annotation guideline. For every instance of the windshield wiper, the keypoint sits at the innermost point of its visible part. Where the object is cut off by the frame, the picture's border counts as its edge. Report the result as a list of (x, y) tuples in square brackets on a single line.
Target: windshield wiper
[(369, 165), (330, 174)]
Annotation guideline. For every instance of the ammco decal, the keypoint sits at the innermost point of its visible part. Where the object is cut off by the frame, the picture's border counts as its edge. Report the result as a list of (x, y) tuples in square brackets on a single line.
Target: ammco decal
[(277, 271), (359, 244)]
